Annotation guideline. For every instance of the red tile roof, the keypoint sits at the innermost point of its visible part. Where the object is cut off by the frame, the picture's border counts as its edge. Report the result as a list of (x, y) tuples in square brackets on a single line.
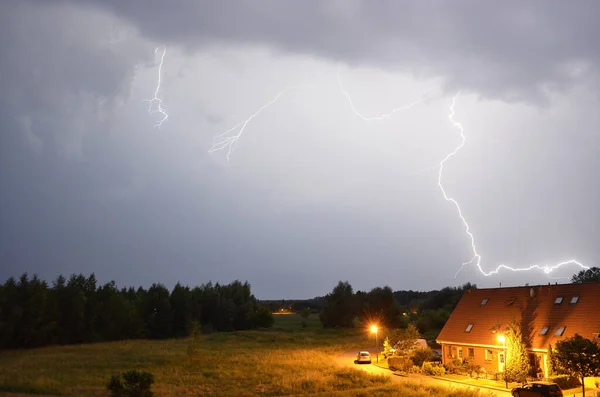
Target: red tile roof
[(534, 305)]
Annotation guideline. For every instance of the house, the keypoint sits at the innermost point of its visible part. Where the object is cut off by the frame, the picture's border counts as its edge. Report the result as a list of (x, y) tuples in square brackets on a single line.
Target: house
[(548, 314)]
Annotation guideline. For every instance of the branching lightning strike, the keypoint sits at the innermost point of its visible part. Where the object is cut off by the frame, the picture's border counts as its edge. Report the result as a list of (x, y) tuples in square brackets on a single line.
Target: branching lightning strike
[(476, 259), (156, 100), (228, 141)]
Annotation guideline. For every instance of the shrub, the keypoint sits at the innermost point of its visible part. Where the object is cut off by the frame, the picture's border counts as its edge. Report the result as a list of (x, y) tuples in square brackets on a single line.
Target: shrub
[(400, 363), (432, 369), (471, 368), (565, 381), (438, 370), (427, 368), (419, 356), (455, 366), (194, 343), (415, 370), (263, 318), (136, 384)]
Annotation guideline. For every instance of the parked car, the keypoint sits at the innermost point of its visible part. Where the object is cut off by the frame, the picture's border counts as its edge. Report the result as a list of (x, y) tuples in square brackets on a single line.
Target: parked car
[(363, 357), (437, 356), (545, 389)]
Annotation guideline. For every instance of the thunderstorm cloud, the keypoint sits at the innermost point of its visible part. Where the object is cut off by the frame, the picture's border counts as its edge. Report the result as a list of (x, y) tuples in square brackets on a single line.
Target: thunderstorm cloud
[(312, 193)]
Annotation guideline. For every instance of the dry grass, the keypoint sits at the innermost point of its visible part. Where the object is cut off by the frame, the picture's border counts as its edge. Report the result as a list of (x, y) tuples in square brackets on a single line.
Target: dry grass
[(283, 361)]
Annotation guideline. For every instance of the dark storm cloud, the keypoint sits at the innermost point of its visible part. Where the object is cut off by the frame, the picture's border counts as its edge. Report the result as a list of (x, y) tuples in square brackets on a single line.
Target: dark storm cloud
[(511, 50), (131, 208)]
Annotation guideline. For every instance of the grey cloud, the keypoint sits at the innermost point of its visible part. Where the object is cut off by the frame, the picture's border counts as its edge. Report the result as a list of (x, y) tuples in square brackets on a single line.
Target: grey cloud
[(61, 78), (511, 50)]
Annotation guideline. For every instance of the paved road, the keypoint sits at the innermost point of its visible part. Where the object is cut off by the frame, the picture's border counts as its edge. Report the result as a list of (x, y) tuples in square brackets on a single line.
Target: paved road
[(347, 359)]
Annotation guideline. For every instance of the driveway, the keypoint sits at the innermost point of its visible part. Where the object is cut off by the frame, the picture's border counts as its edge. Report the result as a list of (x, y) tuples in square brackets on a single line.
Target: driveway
[(347, 359)]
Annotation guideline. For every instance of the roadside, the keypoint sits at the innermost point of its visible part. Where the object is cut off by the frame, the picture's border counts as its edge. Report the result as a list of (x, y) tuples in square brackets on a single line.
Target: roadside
[(452, 381), (347, 359)]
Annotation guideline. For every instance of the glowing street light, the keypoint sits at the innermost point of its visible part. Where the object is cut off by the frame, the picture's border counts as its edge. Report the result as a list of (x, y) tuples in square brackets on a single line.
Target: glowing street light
[(502, 339), (374, 330)]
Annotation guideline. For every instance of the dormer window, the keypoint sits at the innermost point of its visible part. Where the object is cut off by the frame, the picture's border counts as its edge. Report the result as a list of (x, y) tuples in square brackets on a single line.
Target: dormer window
[(560, 331), (484, 302), (544, 331), (558, 300), (469, 328), (574, 300)]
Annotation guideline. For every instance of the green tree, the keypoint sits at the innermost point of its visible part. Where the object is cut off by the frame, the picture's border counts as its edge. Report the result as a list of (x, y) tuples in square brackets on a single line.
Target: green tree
[(587, 276), (405, 340), (340, 307), (304, 313), (182, 305), (263, 318), (578, 356), (419, 356), (517, 363), (387, 347)]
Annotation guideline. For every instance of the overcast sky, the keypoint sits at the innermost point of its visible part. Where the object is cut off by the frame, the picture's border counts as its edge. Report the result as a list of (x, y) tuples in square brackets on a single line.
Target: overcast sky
[(313, 193)]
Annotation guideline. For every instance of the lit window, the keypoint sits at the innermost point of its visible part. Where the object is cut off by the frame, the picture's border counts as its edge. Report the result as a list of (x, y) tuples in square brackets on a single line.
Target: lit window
[(544, 331), (558, 300), (489, 355), (574, 300), (471, 352), (469, 328), (560, 331), (484, 302)]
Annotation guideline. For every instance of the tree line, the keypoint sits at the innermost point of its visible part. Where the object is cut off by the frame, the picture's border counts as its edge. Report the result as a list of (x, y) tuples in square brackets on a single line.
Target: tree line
[(428, 311), (78, 310)]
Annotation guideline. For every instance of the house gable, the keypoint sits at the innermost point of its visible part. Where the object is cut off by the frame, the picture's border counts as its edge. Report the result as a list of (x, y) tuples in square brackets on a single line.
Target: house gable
[(548, 313)]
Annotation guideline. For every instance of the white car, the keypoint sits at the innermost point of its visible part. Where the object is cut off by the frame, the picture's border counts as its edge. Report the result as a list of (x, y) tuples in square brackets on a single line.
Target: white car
[(363, 357)]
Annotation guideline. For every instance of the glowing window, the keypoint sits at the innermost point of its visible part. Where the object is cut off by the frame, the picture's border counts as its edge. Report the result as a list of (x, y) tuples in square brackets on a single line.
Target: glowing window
[(558, 300), (484, 302), (489, 354), (560, 331), (469, 328), (544, 331), (574, 300)]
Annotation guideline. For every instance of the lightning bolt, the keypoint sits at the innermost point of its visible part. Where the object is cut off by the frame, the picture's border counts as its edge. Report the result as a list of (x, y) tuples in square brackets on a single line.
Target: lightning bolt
[(159, 108), (476, 259), (228, 141), (381, 116)]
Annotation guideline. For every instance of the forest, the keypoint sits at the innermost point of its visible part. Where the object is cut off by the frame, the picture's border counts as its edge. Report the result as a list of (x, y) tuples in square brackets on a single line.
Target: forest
[(78, 310)]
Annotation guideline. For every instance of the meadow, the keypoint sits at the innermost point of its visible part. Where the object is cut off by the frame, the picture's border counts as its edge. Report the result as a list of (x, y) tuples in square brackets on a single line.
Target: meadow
[(284, 360)]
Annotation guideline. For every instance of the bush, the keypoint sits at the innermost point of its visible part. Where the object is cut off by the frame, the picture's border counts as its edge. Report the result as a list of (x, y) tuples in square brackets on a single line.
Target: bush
[(565, 381), (415, 370), (399, 363), (455, 366), (263, 318), (137, 384), (194, 343), (432, 369), (419, 356), (471, 368)]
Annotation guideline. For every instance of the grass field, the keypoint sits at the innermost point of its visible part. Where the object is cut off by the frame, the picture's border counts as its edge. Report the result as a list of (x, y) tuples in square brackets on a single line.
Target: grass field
[(287, 360)]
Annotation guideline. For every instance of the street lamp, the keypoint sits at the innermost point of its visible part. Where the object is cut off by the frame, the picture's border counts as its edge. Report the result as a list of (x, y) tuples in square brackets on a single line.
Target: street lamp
[(375, 330), (502, 339)]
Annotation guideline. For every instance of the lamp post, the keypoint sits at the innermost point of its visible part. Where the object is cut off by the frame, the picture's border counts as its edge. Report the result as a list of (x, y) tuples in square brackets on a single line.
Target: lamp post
[(502, 339), (375, 331)]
